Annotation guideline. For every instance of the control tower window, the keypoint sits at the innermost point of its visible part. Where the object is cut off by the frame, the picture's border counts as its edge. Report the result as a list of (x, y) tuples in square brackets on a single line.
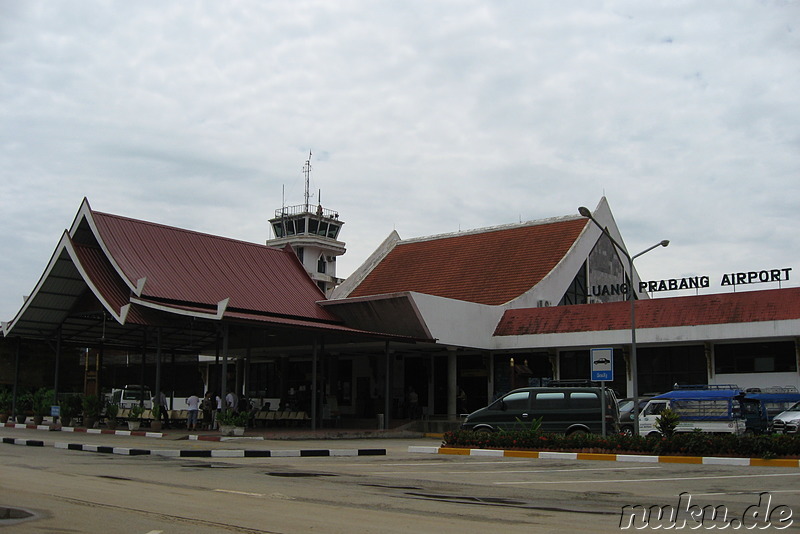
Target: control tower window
[(321, 265)]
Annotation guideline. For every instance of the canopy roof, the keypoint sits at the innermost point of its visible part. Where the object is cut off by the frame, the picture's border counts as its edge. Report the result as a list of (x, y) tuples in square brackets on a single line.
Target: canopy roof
[(110, 277)]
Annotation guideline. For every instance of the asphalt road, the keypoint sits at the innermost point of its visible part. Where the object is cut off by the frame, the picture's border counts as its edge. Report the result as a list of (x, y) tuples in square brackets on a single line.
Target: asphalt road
[(72, 491)]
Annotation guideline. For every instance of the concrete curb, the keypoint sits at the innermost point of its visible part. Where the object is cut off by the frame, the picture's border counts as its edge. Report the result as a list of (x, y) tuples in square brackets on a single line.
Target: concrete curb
[(702, 460), (52, 428), (200, 453), (203, 437), (221, 453), (20, 441)]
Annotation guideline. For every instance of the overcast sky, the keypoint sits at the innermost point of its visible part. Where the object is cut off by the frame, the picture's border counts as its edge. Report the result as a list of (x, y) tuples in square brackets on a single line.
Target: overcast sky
[(426, 117)]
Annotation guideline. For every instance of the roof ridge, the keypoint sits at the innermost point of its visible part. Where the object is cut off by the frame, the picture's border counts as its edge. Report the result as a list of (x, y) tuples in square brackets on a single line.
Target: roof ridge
[(185, 230), (489, 229)]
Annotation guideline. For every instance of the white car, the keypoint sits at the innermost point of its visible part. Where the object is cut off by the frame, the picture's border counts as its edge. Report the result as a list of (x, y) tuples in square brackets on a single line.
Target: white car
[(787, 422)]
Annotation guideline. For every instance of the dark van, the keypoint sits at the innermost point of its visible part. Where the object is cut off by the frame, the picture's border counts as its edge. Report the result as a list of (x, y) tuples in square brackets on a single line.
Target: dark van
[(564, 410)]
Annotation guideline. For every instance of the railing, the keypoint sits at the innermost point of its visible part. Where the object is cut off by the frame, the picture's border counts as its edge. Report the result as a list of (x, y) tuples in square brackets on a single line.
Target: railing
[(290, 211)]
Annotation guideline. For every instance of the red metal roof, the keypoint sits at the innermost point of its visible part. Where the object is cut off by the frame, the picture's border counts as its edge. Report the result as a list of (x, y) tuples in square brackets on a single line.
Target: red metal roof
[(487, 267), (724, 308), (188, 267)]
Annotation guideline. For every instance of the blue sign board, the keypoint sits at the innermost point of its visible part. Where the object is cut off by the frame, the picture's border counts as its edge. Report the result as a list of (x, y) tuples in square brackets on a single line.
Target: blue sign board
[(602, 364)]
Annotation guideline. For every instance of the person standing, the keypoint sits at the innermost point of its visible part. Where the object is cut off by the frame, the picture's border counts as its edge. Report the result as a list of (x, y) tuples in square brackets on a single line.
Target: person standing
[(208, 410), (232, 402), (193, 407), (160, 400)]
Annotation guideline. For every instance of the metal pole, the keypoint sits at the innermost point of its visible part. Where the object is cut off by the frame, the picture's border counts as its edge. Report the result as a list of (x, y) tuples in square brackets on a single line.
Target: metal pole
[(634, 364), (634, 360), (603, 406)]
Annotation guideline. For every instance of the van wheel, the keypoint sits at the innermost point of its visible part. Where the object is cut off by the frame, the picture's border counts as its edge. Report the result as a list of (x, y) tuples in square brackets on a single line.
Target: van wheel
[(627, 431), (653, 434), (483, 431), (578, 432)]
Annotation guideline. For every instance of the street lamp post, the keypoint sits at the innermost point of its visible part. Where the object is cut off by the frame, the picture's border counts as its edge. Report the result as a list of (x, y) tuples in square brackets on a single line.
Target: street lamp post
[(631, 297)]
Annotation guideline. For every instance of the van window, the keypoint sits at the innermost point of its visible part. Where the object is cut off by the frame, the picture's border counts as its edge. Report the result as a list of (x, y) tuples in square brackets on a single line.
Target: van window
[(583, 399), (516, 401), (551, 400), (655, 408)]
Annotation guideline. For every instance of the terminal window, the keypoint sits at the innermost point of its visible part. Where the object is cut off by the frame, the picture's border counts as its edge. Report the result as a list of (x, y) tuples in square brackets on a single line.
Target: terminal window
[(774, 357)]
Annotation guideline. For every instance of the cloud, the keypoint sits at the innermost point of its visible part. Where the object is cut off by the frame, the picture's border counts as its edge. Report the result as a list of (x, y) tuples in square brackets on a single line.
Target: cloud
[(424, 117)]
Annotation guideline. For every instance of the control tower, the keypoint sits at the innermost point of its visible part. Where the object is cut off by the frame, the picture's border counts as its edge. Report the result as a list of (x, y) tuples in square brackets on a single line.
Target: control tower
[(312, 231)]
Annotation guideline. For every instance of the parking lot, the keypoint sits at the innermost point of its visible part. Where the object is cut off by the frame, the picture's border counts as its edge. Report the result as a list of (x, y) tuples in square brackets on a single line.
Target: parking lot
[(398, 492)]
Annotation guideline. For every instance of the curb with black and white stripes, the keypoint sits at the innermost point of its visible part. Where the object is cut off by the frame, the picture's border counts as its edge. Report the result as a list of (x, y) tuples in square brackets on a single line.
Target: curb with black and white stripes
[(200, 453), (221, 453), (104, 431)]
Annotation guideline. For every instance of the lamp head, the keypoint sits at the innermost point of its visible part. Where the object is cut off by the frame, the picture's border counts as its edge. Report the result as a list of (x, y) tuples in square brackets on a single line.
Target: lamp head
[(664, 243), (584, 211)]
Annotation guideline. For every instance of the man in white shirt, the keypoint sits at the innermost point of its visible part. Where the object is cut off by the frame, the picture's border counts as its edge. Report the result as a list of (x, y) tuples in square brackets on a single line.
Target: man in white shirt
[(232, 401), (193, 407)]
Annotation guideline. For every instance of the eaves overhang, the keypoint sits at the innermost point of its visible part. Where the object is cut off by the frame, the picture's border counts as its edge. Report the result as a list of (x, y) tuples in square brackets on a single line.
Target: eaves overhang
[(392, 313), (69, 272)]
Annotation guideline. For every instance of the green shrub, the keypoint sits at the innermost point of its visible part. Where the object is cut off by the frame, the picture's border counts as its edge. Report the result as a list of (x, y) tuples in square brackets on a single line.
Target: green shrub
[(231, 418), (42, 400), (70, 407), (136, 412), (667, 422), (5, 400), (92, 405)]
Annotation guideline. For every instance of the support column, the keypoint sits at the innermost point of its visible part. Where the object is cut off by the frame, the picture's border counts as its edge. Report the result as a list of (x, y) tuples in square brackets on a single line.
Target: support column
[(387, 397), (452, 383), (58, 359), (224, 378), (144, 363), (14, 395), (314, 386), (158, 365)]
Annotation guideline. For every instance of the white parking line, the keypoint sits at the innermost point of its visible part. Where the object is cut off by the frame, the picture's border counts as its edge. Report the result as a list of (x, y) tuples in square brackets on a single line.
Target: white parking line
[(648, 479), (240, 493)]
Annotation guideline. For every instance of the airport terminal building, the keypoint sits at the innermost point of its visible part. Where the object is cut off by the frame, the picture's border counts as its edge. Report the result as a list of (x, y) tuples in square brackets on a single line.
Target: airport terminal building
[(460, 318)]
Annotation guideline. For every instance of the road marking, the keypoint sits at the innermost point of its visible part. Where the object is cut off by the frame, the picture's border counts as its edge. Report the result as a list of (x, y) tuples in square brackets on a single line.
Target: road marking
[(494, 472), (155, 532), (473, 458), (649, 479), (240, 492)]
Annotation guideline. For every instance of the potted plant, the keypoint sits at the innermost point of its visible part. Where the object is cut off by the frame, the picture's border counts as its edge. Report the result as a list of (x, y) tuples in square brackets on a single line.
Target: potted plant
[(5, 405), (155, 424), (232, 423), (24, 407), (43, 399), (111, 415), (134, 417), (70, 406), (92, 406)]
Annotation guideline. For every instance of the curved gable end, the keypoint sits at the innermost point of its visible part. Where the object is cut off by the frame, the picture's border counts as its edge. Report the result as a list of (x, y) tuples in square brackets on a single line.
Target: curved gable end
[(490, 266)]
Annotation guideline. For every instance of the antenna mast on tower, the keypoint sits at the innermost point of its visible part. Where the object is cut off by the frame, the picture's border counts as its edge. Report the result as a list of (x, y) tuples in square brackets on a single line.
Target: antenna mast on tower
[(307, 173)]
